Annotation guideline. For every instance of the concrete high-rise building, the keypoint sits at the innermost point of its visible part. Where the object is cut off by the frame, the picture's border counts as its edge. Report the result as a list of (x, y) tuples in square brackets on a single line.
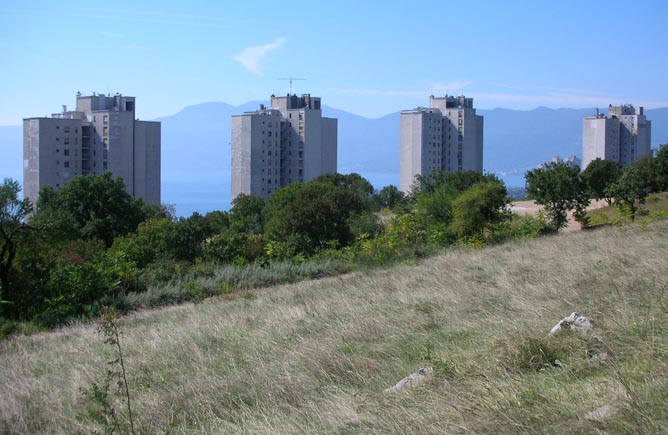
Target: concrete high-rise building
[(622, 135), (290, 142), (101, 135), (447, 136)]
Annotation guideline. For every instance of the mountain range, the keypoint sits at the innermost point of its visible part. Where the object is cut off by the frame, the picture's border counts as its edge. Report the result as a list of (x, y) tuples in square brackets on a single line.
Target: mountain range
[(196, 147)]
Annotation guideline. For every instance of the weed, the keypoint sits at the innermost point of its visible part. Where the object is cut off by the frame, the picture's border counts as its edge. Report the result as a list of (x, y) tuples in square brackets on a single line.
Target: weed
[(103, 411)]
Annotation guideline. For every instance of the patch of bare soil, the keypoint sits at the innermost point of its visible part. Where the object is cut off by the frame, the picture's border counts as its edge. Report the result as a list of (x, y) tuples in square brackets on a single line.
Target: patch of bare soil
[(530, 207)]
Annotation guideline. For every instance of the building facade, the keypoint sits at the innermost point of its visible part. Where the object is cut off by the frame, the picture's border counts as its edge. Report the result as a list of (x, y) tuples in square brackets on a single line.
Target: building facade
[(446, 136), (623, 135), (101, 135), (287, 143)]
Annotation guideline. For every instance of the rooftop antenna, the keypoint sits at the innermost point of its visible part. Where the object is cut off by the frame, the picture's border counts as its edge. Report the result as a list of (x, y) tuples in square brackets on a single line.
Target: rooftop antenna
[(290, 79)]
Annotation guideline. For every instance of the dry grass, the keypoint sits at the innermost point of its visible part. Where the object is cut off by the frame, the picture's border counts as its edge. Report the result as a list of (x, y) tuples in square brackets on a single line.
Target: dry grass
[(315, 357)]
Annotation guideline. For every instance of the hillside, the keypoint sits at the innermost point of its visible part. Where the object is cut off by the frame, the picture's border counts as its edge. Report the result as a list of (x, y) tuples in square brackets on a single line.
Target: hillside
[(315, 357)]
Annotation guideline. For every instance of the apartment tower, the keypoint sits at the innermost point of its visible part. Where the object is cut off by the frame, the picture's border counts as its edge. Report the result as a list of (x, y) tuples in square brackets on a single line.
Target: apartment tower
[(101, 135), (446, 136), (287, 143), (623, 135)]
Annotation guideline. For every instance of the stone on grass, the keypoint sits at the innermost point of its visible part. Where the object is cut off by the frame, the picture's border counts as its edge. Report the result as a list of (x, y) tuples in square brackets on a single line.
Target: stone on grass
[(601, 413), (409, 381), (574, 322)]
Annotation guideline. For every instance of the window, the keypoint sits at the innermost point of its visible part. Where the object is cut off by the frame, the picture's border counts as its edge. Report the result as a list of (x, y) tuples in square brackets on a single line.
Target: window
[(105, 119), (67, 140), (66, 164), (66, 129), (105, 131), (66, 152)]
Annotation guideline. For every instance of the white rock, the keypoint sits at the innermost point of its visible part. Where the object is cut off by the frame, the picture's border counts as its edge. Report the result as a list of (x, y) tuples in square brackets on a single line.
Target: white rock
[(601, 413), (409, 381), (574, 322)]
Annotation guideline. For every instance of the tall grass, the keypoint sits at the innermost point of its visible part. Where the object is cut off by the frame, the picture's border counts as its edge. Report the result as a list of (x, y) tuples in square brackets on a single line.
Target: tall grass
[(315, 357)]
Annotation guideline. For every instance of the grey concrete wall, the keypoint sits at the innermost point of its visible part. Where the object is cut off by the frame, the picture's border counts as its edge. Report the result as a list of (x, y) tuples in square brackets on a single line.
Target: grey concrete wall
[(329, 145), (600, 139), (411, 149), (120, 134), (312, 144), (51, 153), (31, 159), (241, 156), (147, 172)]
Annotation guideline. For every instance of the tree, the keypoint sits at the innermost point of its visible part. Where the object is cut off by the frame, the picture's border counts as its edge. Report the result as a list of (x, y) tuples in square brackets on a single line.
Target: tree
[(647, 169), (559, 188), (662, 168), (631, 189), (353, 182), (599, 175), (246, 214), (91, 206), (311, 216), (478, 207), (459, 181), (13, 212), (388, 197)]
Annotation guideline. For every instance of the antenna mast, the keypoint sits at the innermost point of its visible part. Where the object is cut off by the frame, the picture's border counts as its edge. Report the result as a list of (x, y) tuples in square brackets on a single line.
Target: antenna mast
[(290, 79)]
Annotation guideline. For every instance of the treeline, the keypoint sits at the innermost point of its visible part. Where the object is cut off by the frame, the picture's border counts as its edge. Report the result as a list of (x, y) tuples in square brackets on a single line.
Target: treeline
[(89, 244), (561, 188)]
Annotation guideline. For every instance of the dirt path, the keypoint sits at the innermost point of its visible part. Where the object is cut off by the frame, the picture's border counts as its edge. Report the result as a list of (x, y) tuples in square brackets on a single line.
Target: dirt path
[(530, 207)]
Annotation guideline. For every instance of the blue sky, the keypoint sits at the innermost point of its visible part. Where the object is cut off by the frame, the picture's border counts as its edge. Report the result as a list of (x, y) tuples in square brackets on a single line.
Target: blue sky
[(367, 57)]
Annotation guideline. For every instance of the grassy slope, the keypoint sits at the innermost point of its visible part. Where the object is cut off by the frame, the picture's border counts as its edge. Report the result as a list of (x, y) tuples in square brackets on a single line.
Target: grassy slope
[(315, 357)]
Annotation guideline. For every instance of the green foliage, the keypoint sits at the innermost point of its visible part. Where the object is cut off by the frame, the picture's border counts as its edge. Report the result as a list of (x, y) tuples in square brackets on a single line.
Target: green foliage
[(406, 236), (311, 216), (599, 175), (232, 247), (13, 231), (458, 181), (435, 206), (559, 188), (479, 207), (91, 206), (631, 189), (389, 197), (661, 162), (246, 214), (365, 225), (354, 183)]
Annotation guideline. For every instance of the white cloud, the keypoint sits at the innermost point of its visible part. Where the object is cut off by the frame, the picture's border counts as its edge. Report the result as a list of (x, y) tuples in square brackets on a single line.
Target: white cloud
[(252, 56)]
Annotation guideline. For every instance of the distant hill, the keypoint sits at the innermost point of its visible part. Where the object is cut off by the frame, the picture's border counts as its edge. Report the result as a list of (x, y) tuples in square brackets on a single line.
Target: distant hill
[(196, 143), (198, 138)]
